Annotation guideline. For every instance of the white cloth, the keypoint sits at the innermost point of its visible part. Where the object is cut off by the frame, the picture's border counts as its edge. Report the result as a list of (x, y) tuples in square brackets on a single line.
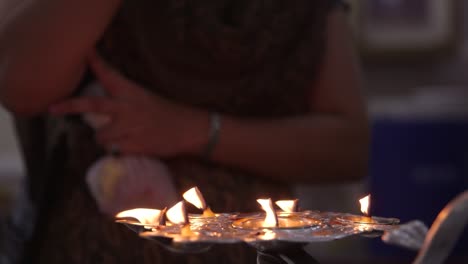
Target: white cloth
[(129, 182), (126, 182)]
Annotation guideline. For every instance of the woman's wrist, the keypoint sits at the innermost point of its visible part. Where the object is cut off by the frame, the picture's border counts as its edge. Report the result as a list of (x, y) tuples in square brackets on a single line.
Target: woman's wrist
[(213, 136), (194, 132), (201, 133)]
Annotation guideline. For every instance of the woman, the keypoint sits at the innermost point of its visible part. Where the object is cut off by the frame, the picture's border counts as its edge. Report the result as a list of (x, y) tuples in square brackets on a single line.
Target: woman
[(241, 98)]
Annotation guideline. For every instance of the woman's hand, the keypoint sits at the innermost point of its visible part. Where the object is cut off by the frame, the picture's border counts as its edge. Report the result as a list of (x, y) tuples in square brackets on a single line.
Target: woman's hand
[(140, 121)]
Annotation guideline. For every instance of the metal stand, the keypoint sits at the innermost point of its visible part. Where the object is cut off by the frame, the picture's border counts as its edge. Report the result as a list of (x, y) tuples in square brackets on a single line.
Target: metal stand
[(294, 255)]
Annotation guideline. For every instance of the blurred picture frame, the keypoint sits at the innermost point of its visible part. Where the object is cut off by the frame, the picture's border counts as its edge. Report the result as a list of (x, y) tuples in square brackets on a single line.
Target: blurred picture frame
[(405, 29)]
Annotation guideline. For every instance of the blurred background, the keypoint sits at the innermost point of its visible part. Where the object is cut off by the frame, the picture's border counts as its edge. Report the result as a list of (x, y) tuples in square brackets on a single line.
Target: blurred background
[(415, 66)]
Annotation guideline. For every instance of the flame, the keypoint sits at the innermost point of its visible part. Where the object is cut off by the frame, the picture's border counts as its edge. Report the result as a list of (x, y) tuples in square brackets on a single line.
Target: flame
[(208, 213), (288, 206), (143, 215), (195, 197), (365, 204), (270, 219), (177, 214)]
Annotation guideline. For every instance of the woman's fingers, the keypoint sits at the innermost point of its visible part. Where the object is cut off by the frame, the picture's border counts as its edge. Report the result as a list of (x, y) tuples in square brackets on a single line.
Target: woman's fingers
[(127, 147), (98, 105), (112, 132)]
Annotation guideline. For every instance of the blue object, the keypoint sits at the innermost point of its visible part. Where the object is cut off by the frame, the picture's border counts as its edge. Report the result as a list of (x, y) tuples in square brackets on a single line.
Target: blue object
[(417, 166)]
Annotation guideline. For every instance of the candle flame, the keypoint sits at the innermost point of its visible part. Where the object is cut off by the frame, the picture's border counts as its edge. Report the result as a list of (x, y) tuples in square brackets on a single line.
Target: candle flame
[(365, 204), (270, 219), (288, 206), (177, 214), (143, 215), (195, 197), (208, 213)]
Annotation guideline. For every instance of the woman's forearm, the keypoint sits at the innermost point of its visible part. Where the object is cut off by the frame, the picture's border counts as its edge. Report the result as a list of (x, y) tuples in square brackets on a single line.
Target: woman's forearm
[(328, 144), (322, 148), (43, 45)]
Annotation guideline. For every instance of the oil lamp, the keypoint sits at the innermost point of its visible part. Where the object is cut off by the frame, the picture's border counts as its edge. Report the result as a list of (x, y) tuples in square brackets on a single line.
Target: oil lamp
[(289, 206), (276, 220), (178, 231), (178, 216), (195, 197), (141, 216), (366, 219)]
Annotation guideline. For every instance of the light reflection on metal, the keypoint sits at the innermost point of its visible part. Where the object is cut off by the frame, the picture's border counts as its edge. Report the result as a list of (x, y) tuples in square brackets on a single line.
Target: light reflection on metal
[(366, 220), (267, 234)]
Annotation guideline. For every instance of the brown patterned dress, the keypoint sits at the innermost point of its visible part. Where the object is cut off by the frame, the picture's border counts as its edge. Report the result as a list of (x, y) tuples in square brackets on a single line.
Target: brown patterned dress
[(249, 58)]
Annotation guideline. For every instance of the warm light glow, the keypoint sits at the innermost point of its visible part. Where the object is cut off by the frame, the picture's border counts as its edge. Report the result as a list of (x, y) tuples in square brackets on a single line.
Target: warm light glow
[(143, 215), (195, 197), (267, 235), (270, 219), (208, 213), (177, 214), (186, 231), (365, 204), (288, 206)]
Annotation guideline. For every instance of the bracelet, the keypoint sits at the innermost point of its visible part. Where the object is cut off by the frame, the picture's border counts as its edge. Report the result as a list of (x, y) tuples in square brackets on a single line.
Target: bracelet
[(215, 127)]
